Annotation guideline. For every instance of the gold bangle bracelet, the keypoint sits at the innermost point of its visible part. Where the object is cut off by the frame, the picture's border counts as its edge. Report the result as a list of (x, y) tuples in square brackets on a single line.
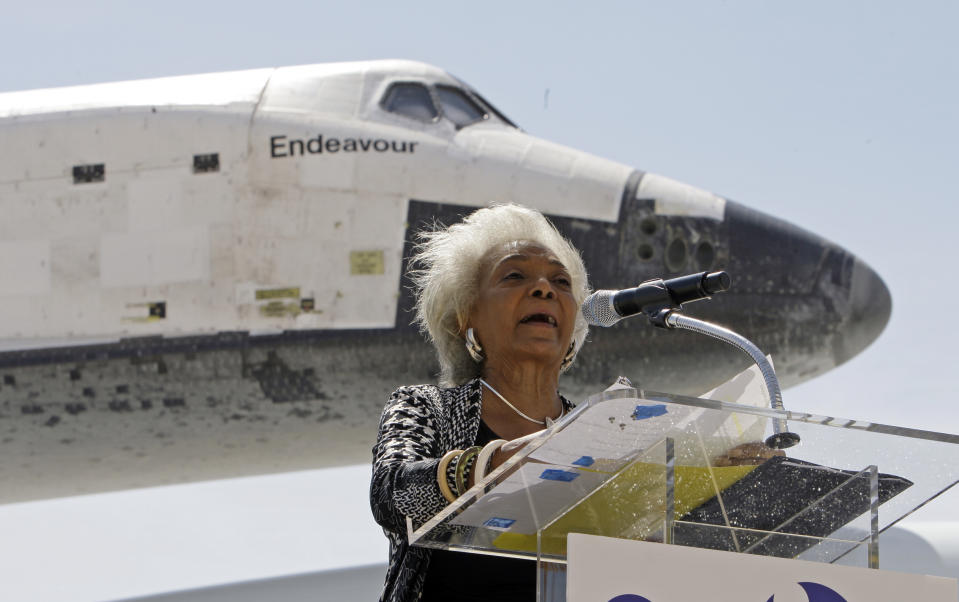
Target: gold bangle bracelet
[(441, 474), (462, 477)]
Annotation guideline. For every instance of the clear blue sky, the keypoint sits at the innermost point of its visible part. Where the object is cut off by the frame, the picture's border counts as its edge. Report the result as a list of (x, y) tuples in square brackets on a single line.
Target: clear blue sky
[(842, 117)]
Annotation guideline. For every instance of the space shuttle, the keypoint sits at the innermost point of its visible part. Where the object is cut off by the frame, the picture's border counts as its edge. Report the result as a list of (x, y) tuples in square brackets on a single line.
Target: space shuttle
[(204, 276)]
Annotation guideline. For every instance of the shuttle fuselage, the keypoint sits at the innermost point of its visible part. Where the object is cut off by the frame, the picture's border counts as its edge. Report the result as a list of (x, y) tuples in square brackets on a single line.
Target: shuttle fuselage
[(203, 276)]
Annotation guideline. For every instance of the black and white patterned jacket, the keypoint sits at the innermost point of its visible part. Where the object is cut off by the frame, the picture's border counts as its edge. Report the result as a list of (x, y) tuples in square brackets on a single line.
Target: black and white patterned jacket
[(420, 423)]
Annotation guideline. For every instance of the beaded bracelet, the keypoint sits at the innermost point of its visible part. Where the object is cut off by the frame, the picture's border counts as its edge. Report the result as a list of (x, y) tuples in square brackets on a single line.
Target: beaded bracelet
[(483, 460), (463, 465), (451, 474), (441, 474)]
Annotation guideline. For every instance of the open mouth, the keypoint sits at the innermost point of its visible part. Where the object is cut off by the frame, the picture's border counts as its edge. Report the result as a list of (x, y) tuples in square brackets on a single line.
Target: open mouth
[(539, 318)]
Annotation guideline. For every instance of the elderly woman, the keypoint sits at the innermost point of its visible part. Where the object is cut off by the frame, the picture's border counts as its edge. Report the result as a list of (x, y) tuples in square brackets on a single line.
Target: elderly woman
[(499, 296)]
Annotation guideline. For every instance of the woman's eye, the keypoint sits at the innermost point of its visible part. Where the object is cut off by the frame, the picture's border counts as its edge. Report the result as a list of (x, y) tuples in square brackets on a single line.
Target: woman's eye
[(563, 280), (513, 275)]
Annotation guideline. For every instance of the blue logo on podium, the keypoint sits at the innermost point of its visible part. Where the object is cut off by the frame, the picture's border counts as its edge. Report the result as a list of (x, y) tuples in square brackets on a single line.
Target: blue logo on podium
[(816, 592), (629, 598)]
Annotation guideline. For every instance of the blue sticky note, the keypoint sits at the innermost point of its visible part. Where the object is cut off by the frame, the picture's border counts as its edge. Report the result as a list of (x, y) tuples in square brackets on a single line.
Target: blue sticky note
[(584, 461), (554, 474), (642, 412), (499, 523)]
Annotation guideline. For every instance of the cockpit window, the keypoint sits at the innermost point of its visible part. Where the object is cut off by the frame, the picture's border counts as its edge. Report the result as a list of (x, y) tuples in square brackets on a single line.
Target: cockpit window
[(494, 110), (412, 100), (428, 103), (458, 107)]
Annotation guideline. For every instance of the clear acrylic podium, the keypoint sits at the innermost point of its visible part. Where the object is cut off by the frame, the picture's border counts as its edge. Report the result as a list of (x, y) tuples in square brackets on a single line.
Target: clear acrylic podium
[(655, 467)]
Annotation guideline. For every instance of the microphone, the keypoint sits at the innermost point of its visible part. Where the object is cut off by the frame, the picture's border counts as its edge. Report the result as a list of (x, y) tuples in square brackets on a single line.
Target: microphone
[(605, 308)]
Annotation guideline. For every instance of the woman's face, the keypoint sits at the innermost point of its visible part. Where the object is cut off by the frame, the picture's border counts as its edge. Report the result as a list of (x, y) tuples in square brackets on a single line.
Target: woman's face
[(525, 309)]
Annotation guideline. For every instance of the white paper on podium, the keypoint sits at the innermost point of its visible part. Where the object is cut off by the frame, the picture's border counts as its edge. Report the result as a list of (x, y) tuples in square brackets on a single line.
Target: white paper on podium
[(746, 388)]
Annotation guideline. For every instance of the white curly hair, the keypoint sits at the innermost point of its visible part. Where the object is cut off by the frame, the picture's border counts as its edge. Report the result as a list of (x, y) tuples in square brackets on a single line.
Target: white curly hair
[(445, 270)]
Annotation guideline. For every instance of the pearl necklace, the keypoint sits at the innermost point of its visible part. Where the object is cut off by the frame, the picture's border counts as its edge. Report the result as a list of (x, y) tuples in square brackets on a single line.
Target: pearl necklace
[(548, 422)]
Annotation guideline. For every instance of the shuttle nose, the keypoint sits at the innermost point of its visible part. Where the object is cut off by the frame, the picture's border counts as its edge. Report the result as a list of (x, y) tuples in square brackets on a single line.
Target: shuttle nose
[(802, 299), (805, 300), (870, 306)]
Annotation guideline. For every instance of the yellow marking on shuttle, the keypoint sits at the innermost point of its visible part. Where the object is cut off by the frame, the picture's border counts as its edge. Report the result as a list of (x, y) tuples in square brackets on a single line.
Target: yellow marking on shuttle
[(366, 263), (278, 293), (278, 309)]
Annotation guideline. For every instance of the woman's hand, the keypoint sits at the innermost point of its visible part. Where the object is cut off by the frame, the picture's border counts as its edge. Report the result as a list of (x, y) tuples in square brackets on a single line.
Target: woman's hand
[(509, 449), (747, 454)]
